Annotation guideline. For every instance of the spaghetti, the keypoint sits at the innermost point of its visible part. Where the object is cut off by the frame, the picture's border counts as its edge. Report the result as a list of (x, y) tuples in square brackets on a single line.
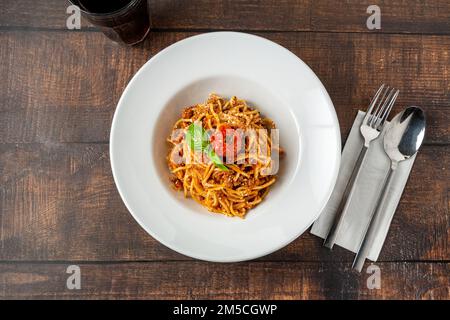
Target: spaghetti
[(241, 182)]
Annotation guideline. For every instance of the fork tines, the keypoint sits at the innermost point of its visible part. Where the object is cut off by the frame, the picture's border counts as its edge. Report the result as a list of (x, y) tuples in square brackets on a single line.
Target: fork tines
[(377, 118)]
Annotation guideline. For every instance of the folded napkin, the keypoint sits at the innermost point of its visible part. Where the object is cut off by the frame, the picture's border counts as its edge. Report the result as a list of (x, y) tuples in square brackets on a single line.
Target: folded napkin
[(369, 182)]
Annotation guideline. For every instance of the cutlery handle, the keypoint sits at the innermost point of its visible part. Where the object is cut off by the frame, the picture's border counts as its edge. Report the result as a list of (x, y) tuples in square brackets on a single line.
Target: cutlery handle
[(332, 234), (375, 218)]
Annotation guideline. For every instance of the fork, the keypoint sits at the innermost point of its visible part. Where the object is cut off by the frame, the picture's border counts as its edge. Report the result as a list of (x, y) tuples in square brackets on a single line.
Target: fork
[(371, 128)]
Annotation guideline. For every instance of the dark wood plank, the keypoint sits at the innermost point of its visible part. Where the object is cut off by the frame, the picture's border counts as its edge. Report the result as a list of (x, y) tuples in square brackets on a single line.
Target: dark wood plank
[(283, 15), (65, 89), (197, 280), (173, 14), (59, 202), (28, 13), (397, 16)]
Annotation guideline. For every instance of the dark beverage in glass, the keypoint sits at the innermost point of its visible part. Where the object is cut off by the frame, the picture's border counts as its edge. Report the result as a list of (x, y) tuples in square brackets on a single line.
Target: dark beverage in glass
[(123, 21)]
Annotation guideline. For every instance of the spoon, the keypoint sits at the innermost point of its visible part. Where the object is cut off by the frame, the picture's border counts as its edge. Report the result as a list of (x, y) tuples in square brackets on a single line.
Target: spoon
[(402, 140)]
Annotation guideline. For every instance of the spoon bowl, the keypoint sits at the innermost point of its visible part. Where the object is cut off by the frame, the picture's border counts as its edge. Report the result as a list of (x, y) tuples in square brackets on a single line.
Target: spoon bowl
[(405, 134)]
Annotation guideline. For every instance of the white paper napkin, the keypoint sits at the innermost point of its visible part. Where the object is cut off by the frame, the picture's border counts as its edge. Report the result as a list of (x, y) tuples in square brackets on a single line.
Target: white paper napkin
[(368, 187)]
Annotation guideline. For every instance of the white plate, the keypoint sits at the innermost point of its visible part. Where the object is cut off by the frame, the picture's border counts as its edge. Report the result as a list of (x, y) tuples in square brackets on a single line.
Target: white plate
[(269, 77)]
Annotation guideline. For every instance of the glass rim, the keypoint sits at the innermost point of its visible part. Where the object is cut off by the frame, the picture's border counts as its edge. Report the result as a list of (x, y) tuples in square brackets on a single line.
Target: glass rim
[(105, 14)]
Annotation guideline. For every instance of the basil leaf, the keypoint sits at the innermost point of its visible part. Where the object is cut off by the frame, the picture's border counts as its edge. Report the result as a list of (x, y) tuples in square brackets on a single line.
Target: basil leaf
[(195, 137), (198, 140), (215, 159)]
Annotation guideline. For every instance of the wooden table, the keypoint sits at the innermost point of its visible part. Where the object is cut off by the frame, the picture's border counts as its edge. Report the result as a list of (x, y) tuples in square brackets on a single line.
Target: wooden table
[(58, 202)]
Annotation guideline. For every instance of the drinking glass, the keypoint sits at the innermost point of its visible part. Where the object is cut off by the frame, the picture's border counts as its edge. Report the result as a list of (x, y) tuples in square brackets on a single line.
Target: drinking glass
[(123, 21)]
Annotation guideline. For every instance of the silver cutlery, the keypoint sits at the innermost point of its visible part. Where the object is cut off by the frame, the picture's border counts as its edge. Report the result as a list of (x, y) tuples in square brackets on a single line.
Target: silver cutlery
[(401, 141), (371, 128)]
